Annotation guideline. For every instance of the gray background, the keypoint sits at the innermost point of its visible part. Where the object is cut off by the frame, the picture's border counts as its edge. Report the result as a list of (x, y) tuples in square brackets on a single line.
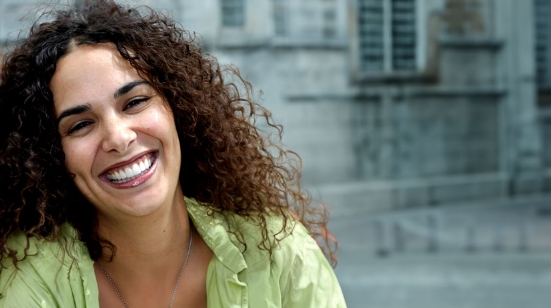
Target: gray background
[(436, 169)]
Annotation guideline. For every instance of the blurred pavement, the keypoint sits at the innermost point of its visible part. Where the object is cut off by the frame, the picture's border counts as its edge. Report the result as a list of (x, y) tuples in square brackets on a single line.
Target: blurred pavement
[(508, 265)]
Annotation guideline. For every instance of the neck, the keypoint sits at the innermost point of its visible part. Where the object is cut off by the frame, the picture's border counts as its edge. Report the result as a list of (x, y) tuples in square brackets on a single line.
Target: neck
[(150, 256), (157, 239)]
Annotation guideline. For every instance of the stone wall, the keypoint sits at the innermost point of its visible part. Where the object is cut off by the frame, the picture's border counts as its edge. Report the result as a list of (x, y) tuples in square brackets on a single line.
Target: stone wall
[(464, 126)]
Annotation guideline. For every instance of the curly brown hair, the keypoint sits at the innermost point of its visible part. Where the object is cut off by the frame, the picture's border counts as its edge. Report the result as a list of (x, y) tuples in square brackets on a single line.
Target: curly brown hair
[(228, 162)]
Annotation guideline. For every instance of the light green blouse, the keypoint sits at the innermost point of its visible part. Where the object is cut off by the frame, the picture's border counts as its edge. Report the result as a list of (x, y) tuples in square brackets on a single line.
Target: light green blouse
[(295, 275)]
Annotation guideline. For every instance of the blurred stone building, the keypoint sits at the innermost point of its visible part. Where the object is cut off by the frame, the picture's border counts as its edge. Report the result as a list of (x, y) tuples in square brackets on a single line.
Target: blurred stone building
[(414, 101)]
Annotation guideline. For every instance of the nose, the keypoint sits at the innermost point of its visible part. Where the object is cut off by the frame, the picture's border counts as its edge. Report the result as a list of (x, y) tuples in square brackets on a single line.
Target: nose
[(118, 135)]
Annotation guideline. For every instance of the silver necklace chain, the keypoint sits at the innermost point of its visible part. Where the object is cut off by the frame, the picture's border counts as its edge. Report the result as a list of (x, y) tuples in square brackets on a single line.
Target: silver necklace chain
[(177, 281)]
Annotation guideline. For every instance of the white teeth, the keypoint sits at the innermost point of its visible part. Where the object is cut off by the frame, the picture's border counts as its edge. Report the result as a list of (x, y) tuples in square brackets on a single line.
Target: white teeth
[(130, 172), (136, 169)]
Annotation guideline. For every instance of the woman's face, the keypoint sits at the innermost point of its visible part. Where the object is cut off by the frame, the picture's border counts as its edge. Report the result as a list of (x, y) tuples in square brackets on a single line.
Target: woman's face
[(117, 133)]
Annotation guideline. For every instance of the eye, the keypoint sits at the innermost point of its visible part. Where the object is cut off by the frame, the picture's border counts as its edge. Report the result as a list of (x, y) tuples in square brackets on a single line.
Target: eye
[(78, 126), (135, 102)]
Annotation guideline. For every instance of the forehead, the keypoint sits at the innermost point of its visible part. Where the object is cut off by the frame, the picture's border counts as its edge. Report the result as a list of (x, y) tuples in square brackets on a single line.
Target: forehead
[(88, 73), (92, 58)]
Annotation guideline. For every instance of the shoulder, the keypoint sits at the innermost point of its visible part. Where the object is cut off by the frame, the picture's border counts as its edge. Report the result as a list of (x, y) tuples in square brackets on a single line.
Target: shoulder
[(286, 236), (35, 254), (295, 273), (306, 278), (252, 234), (298, 267), (62, 265)]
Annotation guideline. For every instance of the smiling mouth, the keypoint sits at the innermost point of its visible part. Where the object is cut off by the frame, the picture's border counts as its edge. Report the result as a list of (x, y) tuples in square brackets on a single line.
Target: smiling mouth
[(130, 172)]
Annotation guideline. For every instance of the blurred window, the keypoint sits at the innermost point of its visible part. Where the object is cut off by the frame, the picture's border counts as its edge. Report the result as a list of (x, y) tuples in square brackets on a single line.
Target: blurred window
[(387, 35), (280, 17), (233, 13), (542, 9), (329, 21), (306, 20)]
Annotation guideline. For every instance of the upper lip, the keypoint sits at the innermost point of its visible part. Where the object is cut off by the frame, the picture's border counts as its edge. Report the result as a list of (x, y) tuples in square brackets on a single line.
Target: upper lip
[(126, 162)]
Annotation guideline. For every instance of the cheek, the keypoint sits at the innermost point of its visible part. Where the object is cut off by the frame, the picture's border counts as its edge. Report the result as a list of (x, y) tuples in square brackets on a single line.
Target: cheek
[(78, 160), (161, 124), (165, 129), (76, 157)]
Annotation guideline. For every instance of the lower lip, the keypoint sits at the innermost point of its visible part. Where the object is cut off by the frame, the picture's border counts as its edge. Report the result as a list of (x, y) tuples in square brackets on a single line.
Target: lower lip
[(137, 181)]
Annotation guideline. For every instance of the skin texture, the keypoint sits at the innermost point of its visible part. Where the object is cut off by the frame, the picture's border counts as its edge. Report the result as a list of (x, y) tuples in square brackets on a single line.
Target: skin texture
[(114, 130), (51, 178), (145, 221)]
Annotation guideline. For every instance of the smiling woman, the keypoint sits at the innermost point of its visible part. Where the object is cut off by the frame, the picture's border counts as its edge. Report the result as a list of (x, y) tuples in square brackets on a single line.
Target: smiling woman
[(133, 176), (111, 121)]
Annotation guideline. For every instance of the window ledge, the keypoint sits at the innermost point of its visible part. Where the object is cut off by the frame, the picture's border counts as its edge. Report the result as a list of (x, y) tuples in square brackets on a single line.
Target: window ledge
[(346, 95), (477, 91), (244, 42), (393, 77), (485, 43), (398, 92), (304, 42)]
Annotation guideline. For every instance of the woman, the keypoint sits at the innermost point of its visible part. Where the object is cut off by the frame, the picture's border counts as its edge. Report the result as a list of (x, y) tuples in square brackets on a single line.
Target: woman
[(135, 178)]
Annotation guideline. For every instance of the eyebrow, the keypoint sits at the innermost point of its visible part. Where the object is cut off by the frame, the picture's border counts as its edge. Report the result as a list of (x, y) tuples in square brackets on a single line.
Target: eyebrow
[(83, 108), (127, 88), (71, 111)]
